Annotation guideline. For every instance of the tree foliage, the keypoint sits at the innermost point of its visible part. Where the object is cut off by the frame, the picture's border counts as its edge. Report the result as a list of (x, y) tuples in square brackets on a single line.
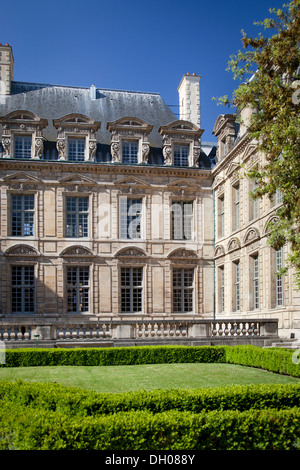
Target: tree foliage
[(269, 67)]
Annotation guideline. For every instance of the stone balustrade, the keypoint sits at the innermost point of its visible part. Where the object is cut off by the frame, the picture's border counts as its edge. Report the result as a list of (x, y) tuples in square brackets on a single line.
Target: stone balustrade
[(112, 332)]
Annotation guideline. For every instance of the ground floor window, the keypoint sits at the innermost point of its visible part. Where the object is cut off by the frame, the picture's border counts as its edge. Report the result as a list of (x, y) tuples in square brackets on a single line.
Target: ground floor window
[(183, 289), (131, 290), (22, 289), (78, 289)]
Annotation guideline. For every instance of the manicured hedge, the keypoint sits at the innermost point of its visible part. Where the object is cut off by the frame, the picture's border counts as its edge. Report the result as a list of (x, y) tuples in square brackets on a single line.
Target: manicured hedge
[(113, 356), (76, 401), (23, 428), (272, 359)]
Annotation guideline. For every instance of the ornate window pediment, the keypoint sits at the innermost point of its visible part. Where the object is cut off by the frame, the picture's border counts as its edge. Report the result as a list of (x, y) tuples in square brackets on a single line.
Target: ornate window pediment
[(181, 143), (182, 255), (76, 137), (77, 251), (233, 244), (22, 135), (251, 235), (22, 250), (129, 140), (219, 251)]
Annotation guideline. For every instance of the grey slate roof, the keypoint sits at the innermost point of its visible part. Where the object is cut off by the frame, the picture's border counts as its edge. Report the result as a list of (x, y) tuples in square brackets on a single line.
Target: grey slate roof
[(55, 101)]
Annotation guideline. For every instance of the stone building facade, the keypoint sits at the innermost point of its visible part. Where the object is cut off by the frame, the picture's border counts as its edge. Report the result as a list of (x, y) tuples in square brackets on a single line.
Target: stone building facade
[(246, 267), (113, 225)]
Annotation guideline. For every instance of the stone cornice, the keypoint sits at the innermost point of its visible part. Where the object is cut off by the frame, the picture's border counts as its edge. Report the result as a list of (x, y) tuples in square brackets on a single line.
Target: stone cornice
[(112, 168), (237, 148)]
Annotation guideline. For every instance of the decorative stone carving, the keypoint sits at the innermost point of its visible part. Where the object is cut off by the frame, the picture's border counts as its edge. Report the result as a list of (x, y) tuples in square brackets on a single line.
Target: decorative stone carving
[(23, 123), (132, 128), (233, 244), (80, 126), (251, 235), (115, 152), (21, 250), (77, 251), (219, 251), (182, 132), (131, 253)]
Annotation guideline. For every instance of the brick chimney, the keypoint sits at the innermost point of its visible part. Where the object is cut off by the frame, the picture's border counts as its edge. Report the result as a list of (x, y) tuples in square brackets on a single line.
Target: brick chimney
[(189, 98), (6, 68)]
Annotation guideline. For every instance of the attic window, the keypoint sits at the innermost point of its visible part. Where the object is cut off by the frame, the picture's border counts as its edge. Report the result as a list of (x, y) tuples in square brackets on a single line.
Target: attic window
[(23, 144)]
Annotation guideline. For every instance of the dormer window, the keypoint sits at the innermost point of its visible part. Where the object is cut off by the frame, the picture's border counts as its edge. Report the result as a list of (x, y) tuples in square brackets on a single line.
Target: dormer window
[(23, 144), (76, 150), (76, 137), (181, 155), (130, 152), (129, 140), (181, 143), (22, 136)]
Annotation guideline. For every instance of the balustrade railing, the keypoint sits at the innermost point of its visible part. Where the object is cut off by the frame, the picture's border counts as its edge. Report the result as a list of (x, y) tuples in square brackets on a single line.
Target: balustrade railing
[(58, 332)]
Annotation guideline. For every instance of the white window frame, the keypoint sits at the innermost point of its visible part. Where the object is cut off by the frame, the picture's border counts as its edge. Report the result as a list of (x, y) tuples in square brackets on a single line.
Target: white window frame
[(185, 291), (130, 218), (131, 291), (132, 146), (25, 216), (279, 278), (77, 287), (182, 216), (23, 288), (77, 214), (23, 137), (77, 156), (180, 148)]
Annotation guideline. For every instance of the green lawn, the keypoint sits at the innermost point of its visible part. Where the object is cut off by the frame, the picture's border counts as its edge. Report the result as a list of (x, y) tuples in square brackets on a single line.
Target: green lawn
[(146, 377)]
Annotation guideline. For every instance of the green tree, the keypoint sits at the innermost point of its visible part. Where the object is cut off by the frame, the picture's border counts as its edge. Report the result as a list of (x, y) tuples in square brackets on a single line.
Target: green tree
[(269, 67)]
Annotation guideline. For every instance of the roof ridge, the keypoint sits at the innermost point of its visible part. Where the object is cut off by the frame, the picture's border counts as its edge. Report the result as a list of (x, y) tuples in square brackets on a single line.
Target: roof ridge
[(84, 88)]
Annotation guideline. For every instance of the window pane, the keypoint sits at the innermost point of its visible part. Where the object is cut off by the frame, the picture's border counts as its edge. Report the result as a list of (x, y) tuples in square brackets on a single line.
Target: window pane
[(183, 291), (130, 152), (22, 146), (182, 217), (181, 155), (77, 217), (131, 290), (78, 289), (23, 292), (76, 150), (130, 218), (22, 215)]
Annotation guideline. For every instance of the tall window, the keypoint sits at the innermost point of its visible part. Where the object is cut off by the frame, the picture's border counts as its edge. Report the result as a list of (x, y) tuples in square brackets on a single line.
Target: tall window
[(221, 217), (221, 289), (182, 220), (22, 289), (130, 218), (254, 203), (130, 152), (236, 299), (22, 146), (22, 215), (183, 289), (131, 290), (278, 196), (78, 289), (236, 208), (77, 216), (279, 278), (181, 155), (76, 148), (255, 282)]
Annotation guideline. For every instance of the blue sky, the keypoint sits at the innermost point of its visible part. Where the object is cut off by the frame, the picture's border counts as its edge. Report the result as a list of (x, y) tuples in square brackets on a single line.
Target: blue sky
[(131, 45)]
